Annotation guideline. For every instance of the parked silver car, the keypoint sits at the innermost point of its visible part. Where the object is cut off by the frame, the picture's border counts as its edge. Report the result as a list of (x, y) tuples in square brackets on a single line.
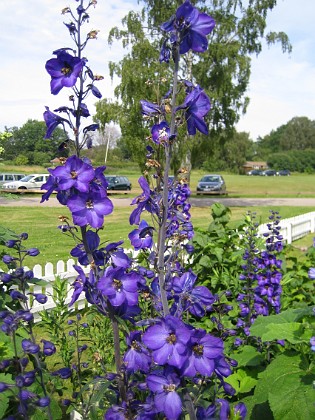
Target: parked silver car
[(28, 182), (6, 177), (211, 184)]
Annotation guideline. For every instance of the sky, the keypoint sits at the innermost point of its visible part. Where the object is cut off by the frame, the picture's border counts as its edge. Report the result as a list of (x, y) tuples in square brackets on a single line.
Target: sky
[(281, 87)]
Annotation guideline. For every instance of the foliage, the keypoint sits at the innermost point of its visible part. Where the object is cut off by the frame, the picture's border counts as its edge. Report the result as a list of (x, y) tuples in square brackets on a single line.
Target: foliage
[(30, 139), (223, 70)]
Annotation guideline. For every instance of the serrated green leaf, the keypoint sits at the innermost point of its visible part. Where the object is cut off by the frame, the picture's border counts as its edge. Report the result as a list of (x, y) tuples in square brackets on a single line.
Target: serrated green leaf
[(290, 332), (287, 385), (248, 356)]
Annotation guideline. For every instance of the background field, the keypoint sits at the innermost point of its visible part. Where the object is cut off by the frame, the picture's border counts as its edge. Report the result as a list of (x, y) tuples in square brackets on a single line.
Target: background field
[(41, 222), (41, 225), (296, 185)]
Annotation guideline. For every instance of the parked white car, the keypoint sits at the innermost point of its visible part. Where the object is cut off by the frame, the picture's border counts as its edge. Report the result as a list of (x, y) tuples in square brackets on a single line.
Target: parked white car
[(29, 182), (5, 178)]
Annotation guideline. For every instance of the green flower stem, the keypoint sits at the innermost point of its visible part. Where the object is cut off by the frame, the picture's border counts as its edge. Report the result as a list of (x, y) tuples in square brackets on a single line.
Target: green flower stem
[(162, 227)]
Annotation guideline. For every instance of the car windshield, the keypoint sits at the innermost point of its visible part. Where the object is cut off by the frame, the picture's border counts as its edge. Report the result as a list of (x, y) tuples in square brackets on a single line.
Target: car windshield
[(210, 179), (26, 178)]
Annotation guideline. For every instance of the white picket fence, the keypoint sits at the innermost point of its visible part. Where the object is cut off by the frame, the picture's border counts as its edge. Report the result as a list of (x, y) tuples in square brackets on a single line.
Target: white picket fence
[(294, 228), (291, 229), (63, 270)]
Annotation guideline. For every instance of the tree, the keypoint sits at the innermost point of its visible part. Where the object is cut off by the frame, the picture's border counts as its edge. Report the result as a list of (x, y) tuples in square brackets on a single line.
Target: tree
[(29, 139), (223, 71), (296, 134), (3, 138)]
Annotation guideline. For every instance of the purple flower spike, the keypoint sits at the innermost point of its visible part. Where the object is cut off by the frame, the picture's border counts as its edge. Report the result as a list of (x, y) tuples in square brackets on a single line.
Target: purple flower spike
[(168, 340), (166, 399), (64, 70), (311, 273)]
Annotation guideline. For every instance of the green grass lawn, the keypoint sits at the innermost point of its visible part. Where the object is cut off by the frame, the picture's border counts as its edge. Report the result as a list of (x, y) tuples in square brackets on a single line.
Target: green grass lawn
[(296, 185), (41, 225)]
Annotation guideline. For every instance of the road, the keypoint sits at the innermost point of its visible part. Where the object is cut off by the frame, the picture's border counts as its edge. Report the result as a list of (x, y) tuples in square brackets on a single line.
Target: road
[(196, 202)]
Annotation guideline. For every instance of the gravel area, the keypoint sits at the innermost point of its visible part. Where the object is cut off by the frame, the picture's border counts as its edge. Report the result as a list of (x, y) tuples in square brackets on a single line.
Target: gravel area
[(196, 202)]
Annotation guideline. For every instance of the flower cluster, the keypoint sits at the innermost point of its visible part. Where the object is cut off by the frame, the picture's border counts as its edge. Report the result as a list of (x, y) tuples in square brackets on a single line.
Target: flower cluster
[(261, 277)]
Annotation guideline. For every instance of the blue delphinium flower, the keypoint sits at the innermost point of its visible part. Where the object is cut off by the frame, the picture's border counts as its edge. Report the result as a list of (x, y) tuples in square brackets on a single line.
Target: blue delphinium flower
[(160, 133), (52, 121), (64, 70), (145, 201), (48, 348), (164, 385), (204, 350), (137, 357), (187, 297), (192, 26), (119, 286), (142, 238), (75, 173), (196, 106), (89, 208), (168, 339)]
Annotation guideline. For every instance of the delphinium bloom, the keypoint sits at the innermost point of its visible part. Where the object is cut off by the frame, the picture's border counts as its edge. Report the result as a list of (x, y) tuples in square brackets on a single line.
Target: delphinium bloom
[(196, 106), (167, 339), (142, 238), (52, 121), (145, 201), (119, 286), (164, 385), (75, 173), (89, 209), (192, 26), (160, 133), (205, 349), (137, 357), (187, 297), (64, 70)]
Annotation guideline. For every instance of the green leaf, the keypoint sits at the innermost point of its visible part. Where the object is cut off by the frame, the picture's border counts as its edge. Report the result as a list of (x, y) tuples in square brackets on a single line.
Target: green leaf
[(287, 385), (290, 332), (4, 403), (248, 356), (241, 381), (205, 261)]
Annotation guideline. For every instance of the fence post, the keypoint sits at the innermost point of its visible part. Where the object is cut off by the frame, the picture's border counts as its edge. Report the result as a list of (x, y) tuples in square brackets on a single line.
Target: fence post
[(289, 233)]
